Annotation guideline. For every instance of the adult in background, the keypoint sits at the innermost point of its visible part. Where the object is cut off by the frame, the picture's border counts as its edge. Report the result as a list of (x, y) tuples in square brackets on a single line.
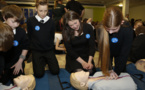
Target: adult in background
[(58, 11), (75, 6)]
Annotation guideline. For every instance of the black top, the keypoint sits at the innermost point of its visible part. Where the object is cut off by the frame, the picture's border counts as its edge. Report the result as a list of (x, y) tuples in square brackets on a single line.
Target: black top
[(20, 43), (138, 48), (1, 63), (75, 6), (41, 35), (58, 12), (120, 44), (81, 46)]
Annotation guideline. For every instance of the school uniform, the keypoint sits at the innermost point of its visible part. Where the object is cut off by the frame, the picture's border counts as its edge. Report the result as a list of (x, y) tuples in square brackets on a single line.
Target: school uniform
[(120, 44), (41, 38), (81, 46), (12, 56)]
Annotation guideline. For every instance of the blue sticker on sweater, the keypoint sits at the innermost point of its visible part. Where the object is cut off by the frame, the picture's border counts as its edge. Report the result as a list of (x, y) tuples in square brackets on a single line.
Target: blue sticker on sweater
[(87, 36), (16, 43), (37, 28), (114, 40)]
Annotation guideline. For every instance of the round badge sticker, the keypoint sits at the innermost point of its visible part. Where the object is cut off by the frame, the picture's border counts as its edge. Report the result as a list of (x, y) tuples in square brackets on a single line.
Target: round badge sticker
[(16, 43), (87, 36), (37, 28), (114, 40)]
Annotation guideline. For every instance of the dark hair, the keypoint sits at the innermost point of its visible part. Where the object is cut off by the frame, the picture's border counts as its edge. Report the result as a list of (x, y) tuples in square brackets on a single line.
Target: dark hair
[(112, 17), (56, 2), (13, 11), (68, 33), (6, 37), (41, 2), (139, 30)]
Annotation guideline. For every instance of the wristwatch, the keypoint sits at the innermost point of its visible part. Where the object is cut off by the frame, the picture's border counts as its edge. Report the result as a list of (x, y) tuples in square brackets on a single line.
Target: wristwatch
[(22, 56)]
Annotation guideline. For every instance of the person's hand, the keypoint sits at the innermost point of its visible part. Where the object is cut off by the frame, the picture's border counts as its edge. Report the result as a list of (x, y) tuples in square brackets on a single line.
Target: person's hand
[(113, 76), (90, 65), (17, 67), (85, 65)]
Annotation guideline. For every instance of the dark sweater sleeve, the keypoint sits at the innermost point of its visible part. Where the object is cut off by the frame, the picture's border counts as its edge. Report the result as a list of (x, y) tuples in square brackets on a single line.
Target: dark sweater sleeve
[(120, 61), (29, 29), (25, 42), (52, 30), (1, 64), (91, 41)]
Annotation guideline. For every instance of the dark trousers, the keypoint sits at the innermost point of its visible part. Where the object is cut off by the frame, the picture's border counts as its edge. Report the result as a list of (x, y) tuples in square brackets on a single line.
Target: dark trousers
[(40, 59)]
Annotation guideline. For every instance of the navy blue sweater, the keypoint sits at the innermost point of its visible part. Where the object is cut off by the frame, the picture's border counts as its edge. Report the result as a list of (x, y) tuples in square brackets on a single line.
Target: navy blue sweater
[(41, 35), (120, 44), (20, 43)]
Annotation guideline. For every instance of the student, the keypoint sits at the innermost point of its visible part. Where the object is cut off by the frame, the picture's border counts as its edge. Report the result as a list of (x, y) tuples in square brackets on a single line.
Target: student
[(6, 42), (14, 58), (41, 35), (58, 42), (58, 11), (138, 45), (79, 43), (115, 43), (137, 24)]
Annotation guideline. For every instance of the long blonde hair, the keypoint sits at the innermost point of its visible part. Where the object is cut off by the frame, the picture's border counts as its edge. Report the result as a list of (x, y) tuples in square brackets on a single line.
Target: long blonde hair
[(104, 49)]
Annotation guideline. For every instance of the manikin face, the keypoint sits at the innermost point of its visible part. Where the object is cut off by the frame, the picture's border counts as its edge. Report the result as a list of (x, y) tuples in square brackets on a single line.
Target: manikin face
[(22, 81), (113, 29), (74, 24), (82, 76), (42, 11), (12, 23)]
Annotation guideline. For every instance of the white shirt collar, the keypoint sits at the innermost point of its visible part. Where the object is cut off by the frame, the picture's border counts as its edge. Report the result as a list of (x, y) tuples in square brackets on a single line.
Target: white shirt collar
[(39, 19), (14, 31)]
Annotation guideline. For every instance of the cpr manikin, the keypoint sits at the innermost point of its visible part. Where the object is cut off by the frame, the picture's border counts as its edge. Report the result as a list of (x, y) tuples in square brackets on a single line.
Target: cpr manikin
[(81, 81), (23, 82)]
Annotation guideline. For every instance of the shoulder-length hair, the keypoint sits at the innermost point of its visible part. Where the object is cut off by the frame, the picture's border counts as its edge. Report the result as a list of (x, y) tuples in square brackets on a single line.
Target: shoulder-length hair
[(112, 17), (68, 32)]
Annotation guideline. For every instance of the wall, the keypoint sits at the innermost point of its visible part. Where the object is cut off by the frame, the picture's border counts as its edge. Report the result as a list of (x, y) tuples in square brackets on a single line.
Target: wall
[(94, 12), (137, 12)]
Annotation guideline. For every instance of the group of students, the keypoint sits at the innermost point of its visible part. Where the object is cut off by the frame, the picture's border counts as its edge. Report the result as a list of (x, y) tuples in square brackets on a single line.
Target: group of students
[(114, 36)]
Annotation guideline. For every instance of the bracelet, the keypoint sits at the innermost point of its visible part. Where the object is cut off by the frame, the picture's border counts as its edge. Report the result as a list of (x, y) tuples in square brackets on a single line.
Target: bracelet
[(22, 56)]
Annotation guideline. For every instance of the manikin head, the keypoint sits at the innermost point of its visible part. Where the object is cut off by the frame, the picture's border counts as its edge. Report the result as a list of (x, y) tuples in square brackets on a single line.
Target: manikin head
[(79, 80), (25, 82), (140, 65)]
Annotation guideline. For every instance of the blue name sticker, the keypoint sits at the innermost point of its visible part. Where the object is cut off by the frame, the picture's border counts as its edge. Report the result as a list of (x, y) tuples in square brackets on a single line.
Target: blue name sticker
[(87, 36), (37, 28), (16, 43), (114, 40)]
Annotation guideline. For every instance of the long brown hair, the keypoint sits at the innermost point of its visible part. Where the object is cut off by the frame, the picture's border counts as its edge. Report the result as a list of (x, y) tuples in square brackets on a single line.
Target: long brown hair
[(68, 33), (104, 49), (112, 17)]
